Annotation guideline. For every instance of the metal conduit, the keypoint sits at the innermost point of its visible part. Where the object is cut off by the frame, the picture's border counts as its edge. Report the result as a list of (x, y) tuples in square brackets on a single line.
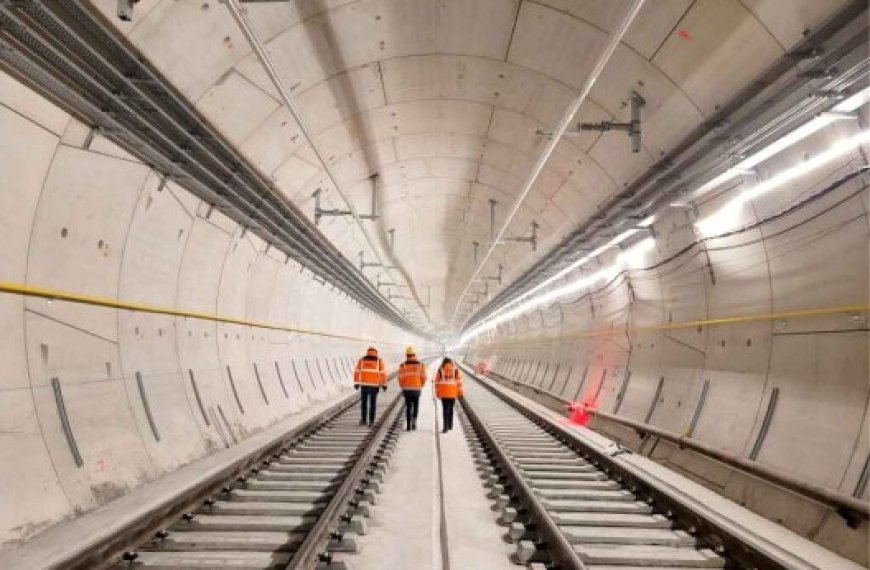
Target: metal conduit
[(257, 45), (658, 185), (561, 126), (69, 53)]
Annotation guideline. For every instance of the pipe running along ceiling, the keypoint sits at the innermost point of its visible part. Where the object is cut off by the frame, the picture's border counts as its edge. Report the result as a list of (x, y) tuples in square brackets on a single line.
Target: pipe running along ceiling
[(449, 105)]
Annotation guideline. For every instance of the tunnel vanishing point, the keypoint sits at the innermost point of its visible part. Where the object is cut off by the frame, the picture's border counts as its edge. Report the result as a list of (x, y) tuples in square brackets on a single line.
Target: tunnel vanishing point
[(639, 228)]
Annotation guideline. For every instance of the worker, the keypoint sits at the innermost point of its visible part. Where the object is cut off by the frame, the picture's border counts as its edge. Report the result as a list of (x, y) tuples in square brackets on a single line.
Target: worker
[(412, 378), (369, 375), (448, 387)]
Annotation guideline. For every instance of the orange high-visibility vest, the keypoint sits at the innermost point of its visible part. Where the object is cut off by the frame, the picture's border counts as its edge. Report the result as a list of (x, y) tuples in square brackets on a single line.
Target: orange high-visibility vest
[(412, 375), (448, 382), (370, 372)]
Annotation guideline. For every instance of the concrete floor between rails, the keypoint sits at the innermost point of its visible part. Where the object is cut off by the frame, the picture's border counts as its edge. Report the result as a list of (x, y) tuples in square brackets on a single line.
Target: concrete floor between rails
[(415, 524)]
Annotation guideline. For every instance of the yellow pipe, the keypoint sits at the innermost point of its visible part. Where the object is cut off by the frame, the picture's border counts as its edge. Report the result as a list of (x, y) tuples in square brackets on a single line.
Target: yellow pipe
[(803, 313), (54, 294)]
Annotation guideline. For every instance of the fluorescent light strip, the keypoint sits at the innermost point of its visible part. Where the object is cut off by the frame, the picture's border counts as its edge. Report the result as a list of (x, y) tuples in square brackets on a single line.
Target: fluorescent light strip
[(728, 215), (776, 147), (580, 262), (725, 215), (628, 258), (838, 113)]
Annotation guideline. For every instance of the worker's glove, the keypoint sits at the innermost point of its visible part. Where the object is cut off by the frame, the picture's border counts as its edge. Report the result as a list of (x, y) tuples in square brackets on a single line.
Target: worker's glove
[(384, 388), (356, 386)]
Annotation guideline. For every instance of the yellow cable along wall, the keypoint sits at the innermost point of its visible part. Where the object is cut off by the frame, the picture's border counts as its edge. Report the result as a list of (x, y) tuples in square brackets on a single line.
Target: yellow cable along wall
[(57, 295)]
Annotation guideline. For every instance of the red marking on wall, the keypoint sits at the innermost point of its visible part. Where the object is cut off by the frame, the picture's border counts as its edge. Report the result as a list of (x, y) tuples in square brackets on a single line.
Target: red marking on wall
[(684, 34), (101, 465)]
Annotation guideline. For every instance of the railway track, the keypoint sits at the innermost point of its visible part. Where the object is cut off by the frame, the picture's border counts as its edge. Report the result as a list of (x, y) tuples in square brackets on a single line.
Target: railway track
[(291, 509), (567, 505)]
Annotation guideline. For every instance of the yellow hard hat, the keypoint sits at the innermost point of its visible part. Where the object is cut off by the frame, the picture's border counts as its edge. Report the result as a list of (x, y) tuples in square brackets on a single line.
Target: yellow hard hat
[(410, 351)]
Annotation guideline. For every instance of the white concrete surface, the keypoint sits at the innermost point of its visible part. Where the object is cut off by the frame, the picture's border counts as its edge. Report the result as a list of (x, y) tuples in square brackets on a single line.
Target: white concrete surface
[(92, 221), (51, 546), (405, 528), (443, 100), (474, 539), (793, 550), (448, 117)]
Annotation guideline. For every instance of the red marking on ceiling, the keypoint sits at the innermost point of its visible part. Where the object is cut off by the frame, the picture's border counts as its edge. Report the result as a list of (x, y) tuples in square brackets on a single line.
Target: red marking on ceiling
[(684, 34)]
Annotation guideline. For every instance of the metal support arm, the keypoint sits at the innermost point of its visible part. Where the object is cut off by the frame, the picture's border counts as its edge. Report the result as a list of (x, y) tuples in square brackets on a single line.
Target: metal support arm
[(532, 239), (363, 263), (322, 212), (496, 278), (632, 128)]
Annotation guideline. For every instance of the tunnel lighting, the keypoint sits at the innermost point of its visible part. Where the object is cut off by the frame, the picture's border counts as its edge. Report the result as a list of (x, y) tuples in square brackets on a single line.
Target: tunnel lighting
[(579, 263), (729, 215), (859, 99), (774, 148), (631, 257)]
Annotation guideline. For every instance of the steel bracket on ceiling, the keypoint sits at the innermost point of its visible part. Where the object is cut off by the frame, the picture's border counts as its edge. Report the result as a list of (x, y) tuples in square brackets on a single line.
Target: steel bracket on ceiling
[(496, 278), (532, 239), (363, 264), (323, 212), (125, 9), (632, 128)]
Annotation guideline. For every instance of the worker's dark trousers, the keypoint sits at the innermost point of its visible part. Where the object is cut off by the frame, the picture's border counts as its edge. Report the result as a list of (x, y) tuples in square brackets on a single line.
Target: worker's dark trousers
[(369, 401), (447, 411), (412, 406)]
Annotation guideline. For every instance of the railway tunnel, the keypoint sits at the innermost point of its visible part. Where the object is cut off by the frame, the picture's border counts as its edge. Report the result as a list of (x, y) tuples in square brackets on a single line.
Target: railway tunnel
[(639, 228)]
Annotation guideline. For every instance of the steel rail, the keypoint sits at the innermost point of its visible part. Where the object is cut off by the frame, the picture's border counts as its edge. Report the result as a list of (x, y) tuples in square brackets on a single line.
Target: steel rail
[(314, 547), (731, 543), (665, 178), (102, 550), (852, 509), (556, 544), (563, 124), (48, 42)]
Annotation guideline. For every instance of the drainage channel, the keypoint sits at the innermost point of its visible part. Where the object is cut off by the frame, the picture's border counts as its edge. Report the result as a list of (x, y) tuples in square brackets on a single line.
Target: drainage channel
[(565, 507), (295, 508)]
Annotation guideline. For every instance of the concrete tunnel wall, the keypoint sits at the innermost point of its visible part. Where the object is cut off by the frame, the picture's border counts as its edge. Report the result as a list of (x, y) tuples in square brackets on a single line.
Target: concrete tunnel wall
[(79, 215), (609, 347)]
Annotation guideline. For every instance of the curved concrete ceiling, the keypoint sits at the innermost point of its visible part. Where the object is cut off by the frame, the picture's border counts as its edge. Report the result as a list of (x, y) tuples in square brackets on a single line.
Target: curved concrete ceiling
[(445, 101)]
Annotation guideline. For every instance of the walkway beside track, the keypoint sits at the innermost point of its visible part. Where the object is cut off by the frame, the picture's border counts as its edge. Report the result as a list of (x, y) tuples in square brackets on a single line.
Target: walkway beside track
[(404, 529)]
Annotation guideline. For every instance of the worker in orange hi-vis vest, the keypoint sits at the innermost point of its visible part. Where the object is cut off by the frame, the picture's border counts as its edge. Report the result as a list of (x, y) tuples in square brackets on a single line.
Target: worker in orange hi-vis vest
[(369, 375), (412, 378), (448, 388)]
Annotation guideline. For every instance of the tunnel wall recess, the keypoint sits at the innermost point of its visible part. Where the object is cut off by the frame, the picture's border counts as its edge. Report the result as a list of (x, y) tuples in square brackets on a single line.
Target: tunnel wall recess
[(96, 401)]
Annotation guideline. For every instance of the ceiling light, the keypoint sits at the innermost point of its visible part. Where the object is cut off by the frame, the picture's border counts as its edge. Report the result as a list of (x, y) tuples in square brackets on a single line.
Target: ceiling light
[(859, 99), (770, 150), (728, 215), (646, 222), (631, 257)]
